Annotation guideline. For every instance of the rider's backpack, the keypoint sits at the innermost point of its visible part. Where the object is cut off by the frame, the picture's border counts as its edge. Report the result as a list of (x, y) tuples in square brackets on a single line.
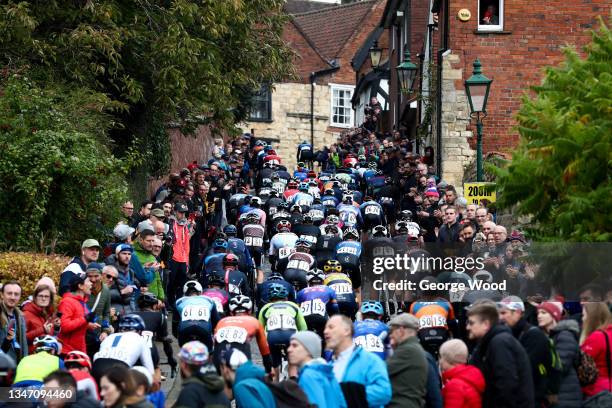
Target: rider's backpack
[(288, 394)]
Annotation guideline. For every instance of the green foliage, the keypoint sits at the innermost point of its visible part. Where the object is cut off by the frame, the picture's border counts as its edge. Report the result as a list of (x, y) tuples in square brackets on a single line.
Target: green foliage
[(58, 180), (560, 174)]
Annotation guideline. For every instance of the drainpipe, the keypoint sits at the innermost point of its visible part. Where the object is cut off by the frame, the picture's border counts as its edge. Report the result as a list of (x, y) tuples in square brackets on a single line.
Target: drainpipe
[(441, 52), (313, 77)]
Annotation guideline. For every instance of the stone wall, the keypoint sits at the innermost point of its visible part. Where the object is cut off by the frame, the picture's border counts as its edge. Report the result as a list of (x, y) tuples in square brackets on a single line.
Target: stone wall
[(456, 153), (291, 119)]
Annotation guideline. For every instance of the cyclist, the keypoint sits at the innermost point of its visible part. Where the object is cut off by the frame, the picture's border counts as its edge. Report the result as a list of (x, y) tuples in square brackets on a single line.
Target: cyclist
[(79, 366), (292, 189), (263, 288), (295, 266), (282, 243), (302, 198), (388, 196), (238, 330), (253, 234), (332, 219), (371, 333), (372, 213), (238, 247), (342, 285), (216, 292), (306, 230), (236, 282), (329, 198), (281, 318), (348, 253), (349, 213), (326, 246), (296, 215), (124, 348), (317, 301), (32, 369), (317, 211), (256, 208), (215, 260), (198, 315)]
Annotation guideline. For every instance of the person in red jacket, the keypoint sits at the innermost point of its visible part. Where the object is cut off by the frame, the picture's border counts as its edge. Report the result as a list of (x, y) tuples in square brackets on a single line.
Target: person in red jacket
[(39, 315), (463, 384), (76, 318), (596, 326)]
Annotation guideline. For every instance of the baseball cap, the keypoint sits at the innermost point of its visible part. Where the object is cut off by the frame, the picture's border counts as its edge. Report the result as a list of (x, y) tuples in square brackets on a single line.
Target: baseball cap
[(158, 212), (145, 225), (405, 320), (181, 207), (233, 358), (94, 267), (90, 243), (123, 231), (511, 303), (123, 248)]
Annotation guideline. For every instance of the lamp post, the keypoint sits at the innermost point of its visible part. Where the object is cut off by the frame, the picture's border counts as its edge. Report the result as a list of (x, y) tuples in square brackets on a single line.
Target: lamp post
[(477, 90), (406, 73), (375, 55)]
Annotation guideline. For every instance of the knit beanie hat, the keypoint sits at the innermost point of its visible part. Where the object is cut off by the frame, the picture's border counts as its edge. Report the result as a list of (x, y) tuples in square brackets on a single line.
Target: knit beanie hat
[(311, 342), (553, 308), (432, 192), (45, 280)]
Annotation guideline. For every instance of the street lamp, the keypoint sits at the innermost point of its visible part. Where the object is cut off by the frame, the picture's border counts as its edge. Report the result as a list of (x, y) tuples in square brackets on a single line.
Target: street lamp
[(406, 73), (477, 90), (375, 55)]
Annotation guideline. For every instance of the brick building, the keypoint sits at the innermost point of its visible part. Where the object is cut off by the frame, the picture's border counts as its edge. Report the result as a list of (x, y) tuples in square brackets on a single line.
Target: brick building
[(514, 40), (316, 105)]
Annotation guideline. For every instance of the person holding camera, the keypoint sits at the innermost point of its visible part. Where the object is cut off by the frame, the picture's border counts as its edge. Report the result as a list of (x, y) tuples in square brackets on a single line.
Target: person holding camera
[(76, 318)]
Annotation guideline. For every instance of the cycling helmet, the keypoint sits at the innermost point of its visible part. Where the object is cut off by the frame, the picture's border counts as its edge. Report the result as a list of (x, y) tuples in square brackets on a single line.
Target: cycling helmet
[(230, 230), (273, 194), (332, 219), (379, 172), (301, 165), (220, 244), (255, 201), (380, 231), (275, 276), (216, 279), (240, 303), (230, 260), (266, 183), (388, 180), (303, 186), (401, 226), (371, 306), (332, 266), (192, 285), (47, 343), (315, 275), (312, 183), (78, 357), (292, 185), (267, 164), (347, 199), (283, 225), (307, 218), (372, 165), (284, 205), (351, 233), (132, 322), (277, 291), (252, 218), (329, 191), (147, 300), (405, 215), (303, 244), (194, 353), (296, 207), (331, 229)]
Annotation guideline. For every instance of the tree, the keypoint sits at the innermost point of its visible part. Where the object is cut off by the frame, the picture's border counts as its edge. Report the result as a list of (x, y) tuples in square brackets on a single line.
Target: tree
[(183, 61), (560, 173)]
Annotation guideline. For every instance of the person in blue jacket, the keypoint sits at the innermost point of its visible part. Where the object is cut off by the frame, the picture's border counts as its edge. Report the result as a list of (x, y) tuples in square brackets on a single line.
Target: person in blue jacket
[(246, 381), (315, 376), (362, 375)]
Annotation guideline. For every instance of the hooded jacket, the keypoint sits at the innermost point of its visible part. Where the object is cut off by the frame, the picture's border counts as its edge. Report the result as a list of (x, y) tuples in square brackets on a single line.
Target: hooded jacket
[(73, 322), (506, 369), (250, 391), (368, 370), (35, 321), (565, 335), (463, 387), (202, 390), (317, 380)]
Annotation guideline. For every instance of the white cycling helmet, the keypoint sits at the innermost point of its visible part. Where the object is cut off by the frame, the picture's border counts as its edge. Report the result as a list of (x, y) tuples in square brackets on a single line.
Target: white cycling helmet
[(192, 285)]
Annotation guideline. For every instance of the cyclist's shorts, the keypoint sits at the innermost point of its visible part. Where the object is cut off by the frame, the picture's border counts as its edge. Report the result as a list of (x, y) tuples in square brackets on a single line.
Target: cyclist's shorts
[(316, 323), (372, 220), (296, 277), (348, 309), (431, 339), (354, 273), (278, 341), (188, 331)]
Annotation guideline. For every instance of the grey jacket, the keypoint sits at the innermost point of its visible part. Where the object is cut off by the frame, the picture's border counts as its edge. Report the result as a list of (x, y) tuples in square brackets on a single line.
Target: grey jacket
[(565, 336), (9, 347)]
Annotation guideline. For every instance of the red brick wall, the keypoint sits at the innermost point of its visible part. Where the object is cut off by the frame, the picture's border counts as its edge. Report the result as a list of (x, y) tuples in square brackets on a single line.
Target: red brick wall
[(515, 61), (306, 59)]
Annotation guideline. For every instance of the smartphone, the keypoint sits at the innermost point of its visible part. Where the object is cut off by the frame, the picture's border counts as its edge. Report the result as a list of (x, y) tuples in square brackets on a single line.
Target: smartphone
[(59, 315)]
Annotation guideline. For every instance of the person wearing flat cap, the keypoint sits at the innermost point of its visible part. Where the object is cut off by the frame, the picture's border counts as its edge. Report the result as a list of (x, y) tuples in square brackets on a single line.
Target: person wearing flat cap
[(408, 365), (315, 376)]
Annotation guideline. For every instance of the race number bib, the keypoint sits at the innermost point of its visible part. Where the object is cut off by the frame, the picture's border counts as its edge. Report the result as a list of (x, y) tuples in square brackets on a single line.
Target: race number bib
[(148, 336), (347, 250), (280, 321), (370, 342), (195, 312), (253, 241), (298, 264), (351, 219), (314, 306), (316, 214), (386, 200), (342, 288), (272, 210), (233, 289), (285, 252), (302, 202), (218, 305), (429, 321), (372, 209), (309, 238), (231, 335), (330, 202)]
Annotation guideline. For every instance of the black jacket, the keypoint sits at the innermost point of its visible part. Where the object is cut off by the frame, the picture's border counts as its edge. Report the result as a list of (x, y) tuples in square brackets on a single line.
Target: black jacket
[(506, 369), (565, 336), (535, 342), (202, 391)]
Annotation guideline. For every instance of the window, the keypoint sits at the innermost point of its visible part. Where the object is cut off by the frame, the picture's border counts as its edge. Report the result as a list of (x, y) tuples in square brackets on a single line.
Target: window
[(261, 108), (341, 110), (490, 15)]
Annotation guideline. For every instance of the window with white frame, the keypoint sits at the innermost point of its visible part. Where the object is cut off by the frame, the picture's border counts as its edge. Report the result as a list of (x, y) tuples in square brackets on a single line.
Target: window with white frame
[(490, 15), (341, 109)]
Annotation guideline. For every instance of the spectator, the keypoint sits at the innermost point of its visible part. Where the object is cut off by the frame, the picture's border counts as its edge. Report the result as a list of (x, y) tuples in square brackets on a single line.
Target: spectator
[(501, 359), (62, 380), (470, 212), (481, 217), (122, 288), (143, 213), (596, 334), (449, 231), (501, 236), (408, 365), (13, 340), (463, 384), (143, 263), (76, 318), (99, 303), (123, 234), (142, 386), (39, 315), (362, 375), (116, 386), (201, 385), (120, 303), (179, 264), (565, 334), (315, 377), (90, 251), (128, 212), (245, 381)]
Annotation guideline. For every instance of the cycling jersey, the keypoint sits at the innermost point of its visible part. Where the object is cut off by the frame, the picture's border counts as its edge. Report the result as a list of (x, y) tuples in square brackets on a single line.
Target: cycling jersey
[(329, 200), (317, 303), (302, 199), (281, 320), (198, 317), (156, 327), (309, 232), (342, 285), (32, 369), (238, 247), (317, 212), (348, 253), (282, 244), (288, 194), (433, 322), (237, 332), (86, 383), (350, 215), (326, 249), (372, 335), (295, 268), (213, 262), (219, 297), (372, 214), (236, 283), (261, 213), (127, 347)]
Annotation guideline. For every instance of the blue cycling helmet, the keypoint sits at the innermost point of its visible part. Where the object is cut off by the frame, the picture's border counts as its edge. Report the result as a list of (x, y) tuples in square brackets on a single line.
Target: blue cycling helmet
[(131, 322), (230, 229), (303, 186), (371, 306), (220, 244), (47, 343), (277, 291)]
